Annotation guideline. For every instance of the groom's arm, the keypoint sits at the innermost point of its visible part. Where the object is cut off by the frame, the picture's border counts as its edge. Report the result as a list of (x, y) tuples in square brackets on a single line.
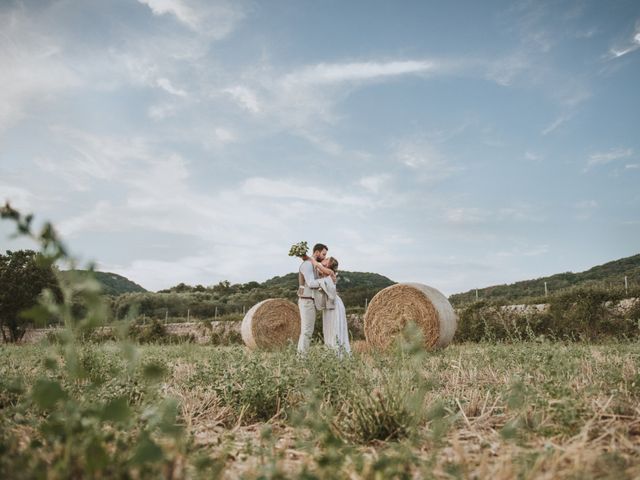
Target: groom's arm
[(307, 272), (322, 269)]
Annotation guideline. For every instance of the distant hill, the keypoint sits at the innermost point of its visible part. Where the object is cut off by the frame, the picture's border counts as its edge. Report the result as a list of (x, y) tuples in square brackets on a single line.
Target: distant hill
[(112, 283), (608, 275), (347, 281), (355, 288)]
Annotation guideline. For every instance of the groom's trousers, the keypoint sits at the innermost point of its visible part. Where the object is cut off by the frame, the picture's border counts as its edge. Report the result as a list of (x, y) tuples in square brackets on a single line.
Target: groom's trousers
[(307, 309)]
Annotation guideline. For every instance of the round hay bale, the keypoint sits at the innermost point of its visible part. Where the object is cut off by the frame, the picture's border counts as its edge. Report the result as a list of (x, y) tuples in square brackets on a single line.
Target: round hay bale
[(271, 324), (360, 346), (395, 306)]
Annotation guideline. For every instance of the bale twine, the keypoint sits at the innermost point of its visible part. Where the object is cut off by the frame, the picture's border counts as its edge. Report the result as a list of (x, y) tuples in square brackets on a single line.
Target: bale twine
[(395, 306), (271, 324)]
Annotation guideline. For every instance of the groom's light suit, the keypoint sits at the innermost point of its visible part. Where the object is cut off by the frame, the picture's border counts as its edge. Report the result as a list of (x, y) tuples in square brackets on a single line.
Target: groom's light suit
[(308, 285)]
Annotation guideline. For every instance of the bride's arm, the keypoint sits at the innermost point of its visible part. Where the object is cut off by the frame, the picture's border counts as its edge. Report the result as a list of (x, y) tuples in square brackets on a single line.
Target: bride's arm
[(322, 269)]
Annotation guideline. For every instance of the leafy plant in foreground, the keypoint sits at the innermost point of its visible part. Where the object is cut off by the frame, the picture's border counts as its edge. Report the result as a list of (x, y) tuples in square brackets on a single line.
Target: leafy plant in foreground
[(79, 435)]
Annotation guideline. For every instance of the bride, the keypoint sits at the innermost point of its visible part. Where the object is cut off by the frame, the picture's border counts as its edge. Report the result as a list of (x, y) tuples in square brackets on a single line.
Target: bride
[(334, 320)]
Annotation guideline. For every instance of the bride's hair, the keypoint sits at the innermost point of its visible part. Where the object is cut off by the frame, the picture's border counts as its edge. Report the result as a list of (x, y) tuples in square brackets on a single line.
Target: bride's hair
[(333, 263)]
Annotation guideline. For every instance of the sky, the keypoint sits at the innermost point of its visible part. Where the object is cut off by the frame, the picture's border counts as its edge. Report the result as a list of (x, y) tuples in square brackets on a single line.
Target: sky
[(457, 144)]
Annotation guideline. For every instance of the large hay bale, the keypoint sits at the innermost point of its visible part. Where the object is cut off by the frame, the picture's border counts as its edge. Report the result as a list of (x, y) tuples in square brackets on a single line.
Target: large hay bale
[(270, 324), (395, 306), (360, 346)]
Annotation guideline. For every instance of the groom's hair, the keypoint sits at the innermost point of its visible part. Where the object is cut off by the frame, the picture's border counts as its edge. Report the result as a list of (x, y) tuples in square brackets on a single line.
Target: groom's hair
[(318, 247)]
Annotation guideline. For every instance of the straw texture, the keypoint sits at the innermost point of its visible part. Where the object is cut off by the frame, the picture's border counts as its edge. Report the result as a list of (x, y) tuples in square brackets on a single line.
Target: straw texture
[(395, 306), (271, 324)]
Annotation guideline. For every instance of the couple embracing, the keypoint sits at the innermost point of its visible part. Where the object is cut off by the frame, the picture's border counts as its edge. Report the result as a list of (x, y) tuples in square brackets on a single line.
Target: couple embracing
[(317, 291)]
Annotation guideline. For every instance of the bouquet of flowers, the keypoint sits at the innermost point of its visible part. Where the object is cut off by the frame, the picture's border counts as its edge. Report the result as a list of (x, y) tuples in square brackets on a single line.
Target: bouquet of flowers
[(298, 250)]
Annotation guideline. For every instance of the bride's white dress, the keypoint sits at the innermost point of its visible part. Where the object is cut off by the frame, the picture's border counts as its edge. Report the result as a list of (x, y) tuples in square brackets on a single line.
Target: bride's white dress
[(334, 328), (334, 323)]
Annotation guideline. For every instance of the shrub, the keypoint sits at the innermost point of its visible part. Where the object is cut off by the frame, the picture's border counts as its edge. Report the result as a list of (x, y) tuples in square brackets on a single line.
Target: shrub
[(581, 314)]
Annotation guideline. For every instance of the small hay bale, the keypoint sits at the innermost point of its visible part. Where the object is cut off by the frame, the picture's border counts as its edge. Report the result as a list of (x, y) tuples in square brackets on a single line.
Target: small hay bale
[(271, 324), (395, 306)]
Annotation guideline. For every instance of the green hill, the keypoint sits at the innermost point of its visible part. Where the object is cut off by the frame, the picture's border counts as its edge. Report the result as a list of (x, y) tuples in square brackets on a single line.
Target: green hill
[(112, 283), (347, 281), (225, 298), (355, 288), (607, 276)]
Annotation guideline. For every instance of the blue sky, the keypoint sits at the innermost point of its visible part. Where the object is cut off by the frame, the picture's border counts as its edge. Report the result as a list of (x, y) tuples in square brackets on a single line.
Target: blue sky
[(458, 144)]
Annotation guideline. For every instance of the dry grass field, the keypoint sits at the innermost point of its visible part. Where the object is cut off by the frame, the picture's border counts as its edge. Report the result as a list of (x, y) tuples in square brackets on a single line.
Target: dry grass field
[(477, 410)]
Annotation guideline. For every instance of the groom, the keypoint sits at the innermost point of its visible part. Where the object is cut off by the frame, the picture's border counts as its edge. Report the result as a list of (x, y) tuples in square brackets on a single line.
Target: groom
[(307, 282)]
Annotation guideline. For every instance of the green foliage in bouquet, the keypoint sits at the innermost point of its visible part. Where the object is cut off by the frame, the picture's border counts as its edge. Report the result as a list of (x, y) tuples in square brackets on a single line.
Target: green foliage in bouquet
[(299, 249)]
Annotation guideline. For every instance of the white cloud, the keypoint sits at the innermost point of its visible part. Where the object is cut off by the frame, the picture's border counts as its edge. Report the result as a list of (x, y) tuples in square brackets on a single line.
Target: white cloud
[(331, 73), (103, 217), (224, 135), (291, 189), (466, 215), (506, 70), (96, 157), (603, 158), (523, 251), (303, 100), (156, 274), (152, 192), (237, 262), (215, 20), (631, 45), (322, 142), (150, 183), (33, 70), (20, 198), (161, 111), (166, 85), (585, 209), (553, 126), (586, 204), (520, 212), (245, 97), (149, 59), (179, 9), (374, 183), (40, 62), (572, 94), (420, 155), (586, 33)]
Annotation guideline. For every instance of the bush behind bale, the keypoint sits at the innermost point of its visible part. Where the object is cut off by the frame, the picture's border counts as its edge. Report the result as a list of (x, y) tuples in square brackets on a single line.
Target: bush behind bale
[(587, 314)]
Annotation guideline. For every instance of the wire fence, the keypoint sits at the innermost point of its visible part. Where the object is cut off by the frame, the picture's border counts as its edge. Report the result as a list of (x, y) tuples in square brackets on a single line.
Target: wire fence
[(625, 285)]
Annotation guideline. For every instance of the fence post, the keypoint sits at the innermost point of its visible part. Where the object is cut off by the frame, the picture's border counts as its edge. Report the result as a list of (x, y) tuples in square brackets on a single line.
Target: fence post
[(366, 304), (188, 311), (166, 316), (243, 309), (626, 285), (546, 291), (216, 314), (476, 294)]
